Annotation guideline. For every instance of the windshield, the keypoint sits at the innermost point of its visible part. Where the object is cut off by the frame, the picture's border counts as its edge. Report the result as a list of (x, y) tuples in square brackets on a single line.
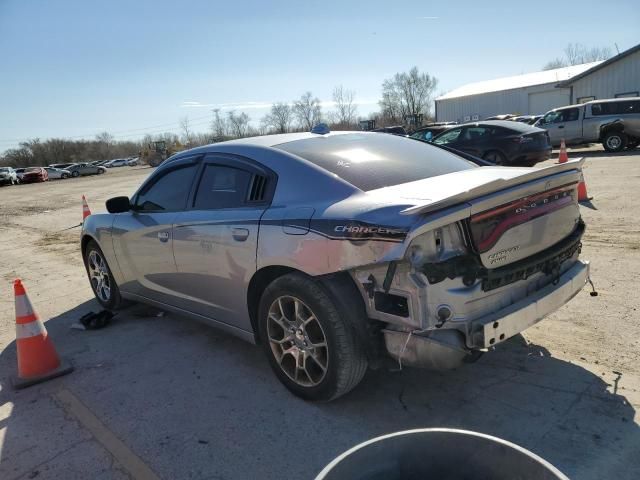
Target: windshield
[(32, 169), (374, 160), (4, 169)]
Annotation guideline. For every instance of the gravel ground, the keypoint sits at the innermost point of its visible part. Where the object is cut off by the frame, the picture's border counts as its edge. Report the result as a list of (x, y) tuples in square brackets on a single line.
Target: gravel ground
[(163, 397)]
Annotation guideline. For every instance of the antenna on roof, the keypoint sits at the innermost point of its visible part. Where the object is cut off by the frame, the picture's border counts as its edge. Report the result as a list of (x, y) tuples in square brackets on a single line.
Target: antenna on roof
[(617, 49)]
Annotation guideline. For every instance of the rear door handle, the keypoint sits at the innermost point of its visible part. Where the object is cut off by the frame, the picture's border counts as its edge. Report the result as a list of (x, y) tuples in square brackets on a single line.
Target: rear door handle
[(240, 234), (163, 236), (560, 126)]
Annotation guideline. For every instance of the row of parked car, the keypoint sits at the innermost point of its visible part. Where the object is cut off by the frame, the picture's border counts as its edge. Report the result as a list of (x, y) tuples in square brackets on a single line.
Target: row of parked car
[(526, 140), (11, 176)]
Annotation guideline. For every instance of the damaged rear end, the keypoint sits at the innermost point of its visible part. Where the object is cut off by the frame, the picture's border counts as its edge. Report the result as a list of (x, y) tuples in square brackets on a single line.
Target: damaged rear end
[(491, 253)]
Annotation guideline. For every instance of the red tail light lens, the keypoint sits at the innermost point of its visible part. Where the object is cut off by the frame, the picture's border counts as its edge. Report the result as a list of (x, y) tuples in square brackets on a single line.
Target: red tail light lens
[(487, 227)]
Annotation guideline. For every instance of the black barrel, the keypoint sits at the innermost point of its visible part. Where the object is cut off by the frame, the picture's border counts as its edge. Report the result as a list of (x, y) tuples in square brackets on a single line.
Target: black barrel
[(439, 454)]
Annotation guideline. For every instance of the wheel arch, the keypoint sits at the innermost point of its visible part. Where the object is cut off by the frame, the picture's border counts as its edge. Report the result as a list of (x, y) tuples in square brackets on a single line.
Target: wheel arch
[(615, 126), (341, 287), (84, 241)]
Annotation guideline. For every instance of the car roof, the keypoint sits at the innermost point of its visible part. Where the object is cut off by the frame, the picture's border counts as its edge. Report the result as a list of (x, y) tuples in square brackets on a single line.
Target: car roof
[(270, 140), (511, 125)]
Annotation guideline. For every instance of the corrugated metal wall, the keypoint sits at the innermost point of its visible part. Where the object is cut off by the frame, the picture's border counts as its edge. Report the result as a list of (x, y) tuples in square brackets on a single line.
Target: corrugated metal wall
[(620, 77), (494, 103)]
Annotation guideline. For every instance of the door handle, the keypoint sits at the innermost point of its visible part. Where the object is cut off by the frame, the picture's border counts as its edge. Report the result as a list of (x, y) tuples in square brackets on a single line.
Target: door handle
[(163, 236), (560, 126), (240, 234)]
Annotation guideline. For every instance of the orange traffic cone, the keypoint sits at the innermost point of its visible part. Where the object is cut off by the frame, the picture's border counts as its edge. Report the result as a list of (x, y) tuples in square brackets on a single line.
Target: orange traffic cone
[(563, 157), (582, 192), (85, 208), (37, 357)]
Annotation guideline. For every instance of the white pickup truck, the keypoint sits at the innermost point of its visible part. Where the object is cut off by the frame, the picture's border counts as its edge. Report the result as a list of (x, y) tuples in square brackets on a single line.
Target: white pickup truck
[(614, 122)]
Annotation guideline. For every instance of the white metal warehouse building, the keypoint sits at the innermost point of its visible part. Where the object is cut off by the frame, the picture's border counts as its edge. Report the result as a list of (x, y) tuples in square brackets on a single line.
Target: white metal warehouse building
[(539, 92)]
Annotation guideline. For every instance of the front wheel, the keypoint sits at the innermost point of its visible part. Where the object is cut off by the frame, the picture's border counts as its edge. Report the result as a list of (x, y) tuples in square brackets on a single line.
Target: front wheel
[(614, 142), (75, 174), (100, 277), (310, 345), (65, 175)]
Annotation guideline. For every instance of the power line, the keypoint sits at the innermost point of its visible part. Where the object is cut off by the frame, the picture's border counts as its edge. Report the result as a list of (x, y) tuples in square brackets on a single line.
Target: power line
[(121, 133)]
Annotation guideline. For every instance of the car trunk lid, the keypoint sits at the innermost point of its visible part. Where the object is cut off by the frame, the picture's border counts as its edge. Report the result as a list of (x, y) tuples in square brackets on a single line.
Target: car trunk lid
[(509, 213)]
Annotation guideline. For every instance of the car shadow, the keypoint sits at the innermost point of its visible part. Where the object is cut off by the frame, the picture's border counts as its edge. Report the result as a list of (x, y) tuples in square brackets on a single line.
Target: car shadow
[(193, 401), (601, 153)]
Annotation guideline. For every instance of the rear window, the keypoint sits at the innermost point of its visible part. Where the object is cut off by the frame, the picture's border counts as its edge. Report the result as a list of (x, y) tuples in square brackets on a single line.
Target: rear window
[(616, 108), (376, 160)]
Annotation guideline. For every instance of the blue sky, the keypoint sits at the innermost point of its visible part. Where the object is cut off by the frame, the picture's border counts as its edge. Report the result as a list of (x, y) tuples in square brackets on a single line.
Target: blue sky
[(73, 68)]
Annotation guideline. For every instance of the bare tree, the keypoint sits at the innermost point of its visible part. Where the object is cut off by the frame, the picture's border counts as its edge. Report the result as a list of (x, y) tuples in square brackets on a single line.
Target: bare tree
[(555, 63), (577, 54), (346, 111), (308, 111), (219, 125), (238, 124), (407, 94), (279, 118), (187, 134), (105, 140)]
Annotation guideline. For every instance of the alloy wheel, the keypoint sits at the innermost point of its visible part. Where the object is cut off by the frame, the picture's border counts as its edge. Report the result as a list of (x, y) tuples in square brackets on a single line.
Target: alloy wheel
[(297, 341), (99, 276)]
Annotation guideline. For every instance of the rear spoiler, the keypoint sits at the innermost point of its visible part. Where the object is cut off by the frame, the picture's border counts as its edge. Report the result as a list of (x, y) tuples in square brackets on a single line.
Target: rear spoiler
[(493, 186)]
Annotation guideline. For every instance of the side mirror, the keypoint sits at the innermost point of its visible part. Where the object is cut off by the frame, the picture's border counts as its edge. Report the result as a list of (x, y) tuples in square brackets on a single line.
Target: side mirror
[(118, 205)]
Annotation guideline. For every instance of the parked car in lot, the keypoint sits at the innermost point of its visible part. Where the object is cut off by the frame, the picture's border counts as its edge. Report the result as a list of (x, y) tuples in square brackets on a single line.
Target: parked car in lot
[(427, 132), (499, 141), (504, 116), (85, 169), (613, 122), (528, 119), (396, 130), (132, 162), (61, 165), (118, 162), (8, 176), (335, 251), (35, 174), (20, 173), (57, 173)]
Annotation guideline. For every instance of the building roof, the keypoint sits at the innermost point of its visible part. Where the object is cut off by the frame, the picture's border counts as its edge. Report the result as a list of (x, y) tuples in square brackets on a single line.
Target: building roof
[(520, 81), (600, 65)]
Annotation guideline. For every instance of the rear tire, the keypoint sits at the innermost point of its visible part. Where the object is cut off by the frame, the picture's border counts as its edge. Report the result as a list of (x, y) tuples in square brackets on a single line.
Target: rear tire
[(311, 347), (614, 142), (496, 157), (65, 175), (101, 279)]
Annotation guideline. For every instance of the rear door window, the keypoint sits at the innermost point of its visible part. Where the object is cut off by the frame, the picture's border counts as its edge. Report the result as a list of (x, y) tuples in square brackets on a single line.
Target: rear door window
[(222, 187)]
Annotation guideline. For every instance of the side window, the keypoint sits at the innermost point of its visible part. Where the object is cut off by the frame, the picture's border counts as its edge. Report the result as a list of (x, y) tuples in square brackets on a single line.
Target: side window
[(596, 109), (474, 134), (222, 187), (569, 115), (447, 137), (169, 192)]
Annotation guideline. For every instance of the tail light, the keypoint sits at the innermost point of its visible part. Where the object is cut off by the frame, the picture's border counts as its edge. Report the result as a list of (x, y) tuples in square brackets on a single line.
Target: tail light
[(487, 227)]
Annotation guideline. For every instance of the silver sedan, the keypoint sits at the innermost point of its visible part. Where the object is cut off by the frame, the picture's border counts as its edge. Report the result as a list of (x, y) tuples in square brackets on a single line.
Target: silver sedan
[(336, 251)]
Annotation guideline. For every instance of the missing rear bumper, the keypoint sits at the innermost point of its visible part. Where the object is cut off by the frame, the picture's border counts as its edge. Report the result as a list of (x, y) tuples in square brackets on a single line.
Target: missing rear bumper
[(497, 327), (440, 350)]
